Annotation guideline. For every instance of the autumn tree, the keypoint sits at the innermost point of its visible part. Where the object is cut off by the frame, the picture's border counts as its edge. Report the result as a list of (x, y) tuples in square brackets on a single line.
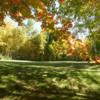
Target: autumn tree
[(85, 11), (85, 14), (11, 39)]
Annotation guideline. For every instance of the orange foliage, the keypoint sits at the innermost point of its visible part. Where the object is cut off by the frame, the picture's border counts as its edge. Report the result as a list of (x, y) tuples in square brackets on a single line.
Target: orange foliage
[(97, 59), (62, 1), (15, 1), (17, 14), (78, 49)]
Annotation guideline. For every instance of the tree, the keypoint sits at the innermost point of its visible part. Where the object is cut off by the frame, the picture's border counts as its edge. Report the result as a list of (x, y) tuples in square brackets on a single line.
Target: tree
[(53, 12), (11, 40), (45, 10), (21, 9)]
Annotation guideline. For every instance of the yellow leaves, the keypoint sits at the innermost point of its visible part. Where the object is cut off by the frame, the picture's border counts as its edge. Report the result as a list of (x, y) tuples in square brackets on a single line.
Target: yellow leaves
[(37, 4), (77, 48), (92, 2)]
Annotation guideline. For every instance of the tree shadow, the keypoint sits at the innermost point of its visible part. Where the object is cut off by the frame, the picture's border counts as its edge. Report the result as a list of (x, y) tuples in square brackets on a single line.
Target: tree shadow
[(22, 81)]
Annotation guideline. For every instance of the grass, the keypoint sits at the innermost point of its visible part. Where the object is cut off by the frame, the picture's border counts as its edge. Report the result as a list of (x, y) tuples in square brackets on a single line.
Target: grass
[(49, 81)]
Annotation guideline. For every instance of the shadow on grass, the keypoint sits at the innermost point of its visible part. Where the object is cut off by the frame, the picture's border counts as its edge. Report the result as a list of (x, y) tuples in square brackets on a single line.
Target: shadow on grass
[(27, 81)]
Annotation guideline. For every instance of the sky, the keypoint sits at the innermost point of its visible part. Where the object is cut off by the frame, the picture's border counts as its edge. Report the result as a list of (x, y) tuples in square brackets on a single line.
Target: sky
[(8, 19), (36, 26)]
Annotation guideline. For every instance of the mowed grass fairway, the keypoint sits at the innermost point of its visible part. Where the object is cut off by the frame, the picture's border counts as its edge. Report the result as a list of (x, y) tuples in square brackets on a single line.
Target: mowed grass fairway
[(49, 81)]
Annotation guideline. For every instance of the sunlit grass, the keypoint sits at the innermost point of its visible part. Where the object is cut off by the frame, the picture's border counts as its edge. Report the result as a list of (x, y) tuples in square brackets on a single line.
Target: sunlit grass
[(47, 81)]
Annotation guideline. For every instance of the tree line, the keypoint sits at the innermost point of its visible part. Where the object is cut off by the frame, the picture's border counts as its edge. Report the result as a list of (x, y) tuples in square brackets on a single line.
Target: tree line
[(20, 43), (53, 43)]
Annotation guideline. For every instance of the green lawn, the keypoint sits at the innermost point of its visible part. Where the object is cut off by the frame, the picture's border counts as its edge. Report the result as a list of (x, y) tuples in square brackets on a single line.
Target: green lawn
[(49, 81)]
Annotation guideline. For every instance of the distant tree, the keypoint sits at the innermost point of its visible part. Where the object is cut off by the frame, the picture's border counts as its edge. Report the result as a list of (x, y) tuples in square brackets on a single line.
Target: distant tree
[(11, 40)]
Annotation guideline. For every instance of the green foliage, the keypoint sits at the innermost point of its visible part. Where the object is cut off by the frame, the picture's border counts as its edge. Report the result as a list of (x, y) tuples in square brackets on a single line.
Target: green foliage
[(95, 43), (33, 48), (82, 10)]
